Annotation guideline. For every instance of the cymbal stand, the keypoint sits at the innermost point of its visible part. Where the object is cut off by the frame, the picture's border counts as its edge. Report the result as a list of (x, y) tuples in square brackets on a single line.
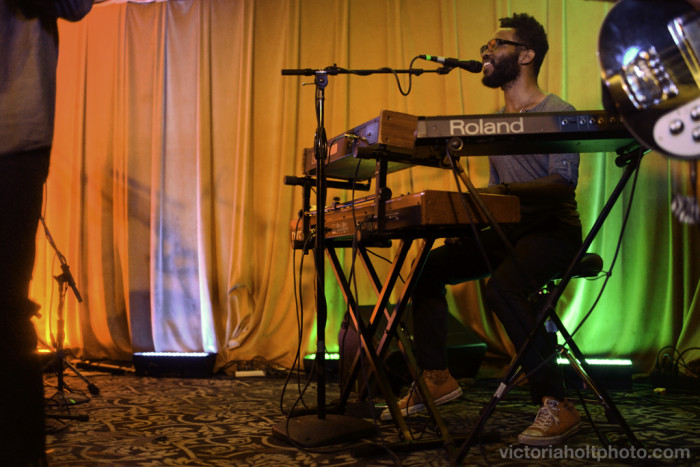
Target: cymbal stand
[(60, 363)]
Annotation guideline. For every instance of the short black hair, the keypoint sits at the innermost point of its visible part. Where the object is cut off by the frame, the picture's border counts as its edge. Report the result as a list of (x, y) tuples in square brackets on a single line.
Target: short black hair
[(531, 33)]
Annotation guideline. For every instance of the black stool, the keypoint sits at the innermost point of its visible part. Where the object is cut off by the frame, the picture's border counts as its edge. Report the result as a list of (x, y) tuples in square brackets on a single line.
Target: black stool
[(590, 266)]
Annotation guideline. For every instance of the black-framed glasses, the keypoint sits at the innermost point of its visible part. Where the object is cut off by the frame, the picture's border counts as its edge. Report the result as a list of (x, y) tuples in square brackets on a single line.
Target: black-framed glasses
[(495, 43)]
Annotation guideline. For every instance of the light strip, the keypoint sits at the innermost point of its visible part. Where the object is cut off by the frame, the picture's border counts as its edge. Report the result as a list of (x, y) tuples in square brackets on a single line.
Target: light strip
[(601, 361), (172, 354), (329, 356)]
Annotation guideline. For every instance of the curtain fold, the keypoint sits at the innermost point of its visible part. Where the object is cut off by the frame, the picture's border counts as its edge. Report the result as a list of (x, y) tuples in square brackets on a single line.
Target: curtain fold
[(175, 129)]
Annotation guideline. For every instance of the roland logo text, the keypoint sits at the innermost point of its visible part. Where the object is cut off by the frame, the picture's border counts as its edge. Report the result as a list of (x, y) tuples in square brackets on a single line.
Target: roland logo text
[(480, 127)]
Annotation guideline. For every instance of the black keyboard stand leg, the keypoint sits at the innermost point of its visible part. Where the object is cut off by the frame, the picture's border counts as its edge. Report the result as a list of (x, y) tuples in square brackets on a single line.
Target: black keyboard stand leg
[(374, 355), (611, 412), (631, 160), (581, 367)]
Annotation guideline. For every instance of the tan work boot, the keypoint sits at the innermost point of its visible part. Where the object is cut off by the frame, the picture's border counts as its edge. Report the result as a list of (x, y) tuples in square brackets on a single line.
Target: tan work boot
[(555, 421), (442, 386)]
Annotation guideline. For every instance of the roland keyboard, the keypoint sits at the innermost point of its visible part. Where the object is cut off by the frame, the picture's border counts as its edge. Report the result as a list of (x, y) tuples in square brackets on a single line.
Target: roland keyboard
[(528, 133), (404, 140)]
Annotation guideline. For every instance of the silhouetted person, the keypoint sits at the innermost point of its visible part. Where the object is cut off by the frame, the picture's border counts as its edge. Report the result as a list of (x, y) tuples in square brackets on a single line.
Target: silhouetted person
[(28, 58)]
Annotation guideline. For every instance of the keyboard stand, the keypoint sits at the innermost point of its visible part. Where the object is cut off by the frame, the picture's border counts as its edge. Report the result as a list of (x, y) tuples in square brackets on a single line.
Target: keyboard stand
[(631, 161), (366, 331)]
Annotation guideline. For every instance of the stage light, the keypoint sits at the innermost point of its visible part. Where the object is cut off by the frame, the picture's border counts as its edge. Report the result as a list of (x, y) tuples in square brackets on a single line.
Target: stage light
[(328, 356), (332, 360), (174, 364), (611, 373)]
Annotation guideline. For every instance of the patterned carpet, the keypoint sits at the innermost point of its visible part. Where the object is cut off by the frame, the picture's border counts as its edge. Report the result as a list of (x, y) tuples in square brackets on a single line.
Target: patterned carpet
[(227, 421)]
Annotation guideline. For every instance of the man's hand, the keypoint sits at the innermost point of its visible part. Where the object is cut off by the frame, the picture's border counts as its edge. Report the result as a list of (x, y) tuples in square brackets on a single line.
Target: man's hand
[(546, 192), (499, 189)]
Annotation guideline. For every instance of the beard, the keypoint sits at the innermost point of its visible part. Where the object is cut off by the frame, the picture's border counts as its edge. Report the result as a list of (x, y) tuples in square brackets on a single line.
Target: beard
[(503, 72)]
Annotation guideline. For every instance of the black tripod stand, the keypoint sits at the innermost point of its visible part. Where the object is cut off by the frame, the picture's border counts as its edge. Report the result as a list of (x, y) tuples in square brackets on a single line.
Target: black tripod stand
[(59, 361)]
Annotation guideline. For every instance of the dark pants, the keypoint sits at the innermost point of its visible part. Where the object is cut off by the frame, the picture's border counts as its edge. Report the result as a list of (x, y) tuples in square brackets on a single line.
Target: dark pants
[(538, 256), (22, 430)]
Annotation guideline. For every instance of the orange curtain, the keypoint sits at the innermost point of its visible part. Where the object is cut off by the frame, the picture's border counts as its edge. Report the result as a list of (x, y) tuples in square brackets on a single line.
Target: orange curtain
[(175, 129)]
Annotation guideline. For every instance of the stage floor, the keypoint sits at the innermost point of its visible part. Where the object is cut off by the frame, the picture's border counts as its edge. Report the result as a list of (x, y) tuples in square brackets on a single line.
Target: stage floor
[(226, 421)]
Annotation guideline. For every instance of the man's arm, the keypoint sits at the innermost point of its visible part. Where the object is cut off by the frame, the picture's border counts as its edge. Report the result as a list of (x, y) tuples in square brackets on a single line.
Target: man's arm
[(549, 190), (71, 10)]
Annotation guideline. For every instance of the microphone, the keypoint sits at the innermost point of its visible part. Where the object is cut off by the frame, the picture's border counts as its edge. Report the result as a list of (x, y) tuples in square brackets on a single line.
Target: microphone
[(473, 66)]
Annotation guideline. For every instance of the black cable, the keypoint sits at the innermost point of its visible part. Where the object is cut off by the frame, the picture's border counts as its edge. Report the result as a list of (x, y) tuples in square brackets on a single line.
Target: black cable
[(385, 259), (396, 76), (658, 354), (607, 278), (475, 231), (683, 364), (298, 360), (617, 251), (410, 79), (297, 299)]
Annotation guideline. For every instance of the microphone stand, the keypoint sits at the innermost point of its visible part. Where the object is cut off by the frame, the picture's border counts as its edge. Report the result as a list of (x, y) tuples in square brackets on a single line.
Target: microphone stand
[(324, 429), (60, 362)]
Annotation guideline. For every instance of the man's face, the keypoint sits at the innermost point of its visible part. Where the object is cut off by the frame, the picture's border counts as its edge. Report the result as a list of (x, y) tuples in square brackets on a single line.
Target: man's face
[(500, 59)]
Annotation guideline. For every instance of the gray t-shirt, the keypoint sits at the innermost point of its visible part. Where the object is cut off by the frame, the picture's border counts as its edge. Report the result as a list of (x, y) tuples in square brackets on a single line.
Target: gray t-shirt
[(29, 43), (509, 169), (528, 167)]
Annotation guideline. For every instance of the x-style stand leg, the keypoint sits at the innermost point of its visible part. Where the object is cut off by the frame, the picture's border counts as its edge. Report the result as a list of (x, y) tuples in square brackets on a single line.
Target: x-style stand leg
[(583, 369), (366, 332)]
